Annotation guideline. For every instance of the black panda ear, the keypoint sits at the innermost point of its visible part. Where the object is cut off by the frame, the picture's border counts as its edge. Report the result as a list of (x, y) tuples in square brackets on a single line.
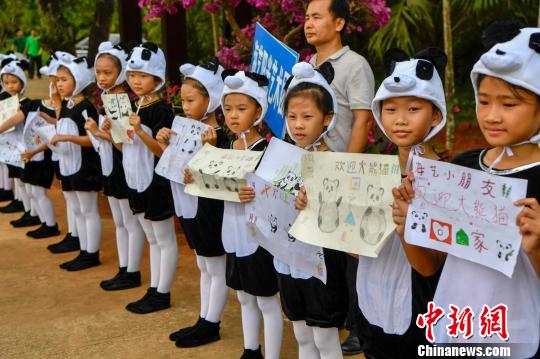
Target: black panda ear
[(534, 42), (84, 59), (391, 56), (288, 82), (6, 61), (436, 56), (228, 72), (327, 71), (212, 65), (500, 30), (261, 80), (150, 46), (23, 64)]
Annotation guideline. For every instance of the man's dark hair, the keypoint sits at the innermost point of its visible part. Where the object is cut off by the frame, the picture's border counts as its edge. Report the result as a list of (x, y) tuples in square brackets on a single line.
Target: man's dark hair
[(340, 9)]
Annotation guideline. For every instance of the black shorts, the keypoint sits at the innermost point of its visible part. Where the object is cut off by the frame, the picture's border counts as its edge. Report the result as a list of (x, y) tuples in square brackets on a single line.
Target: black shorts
[(254, 274), (320, 305), (203, 233), (155, 202)]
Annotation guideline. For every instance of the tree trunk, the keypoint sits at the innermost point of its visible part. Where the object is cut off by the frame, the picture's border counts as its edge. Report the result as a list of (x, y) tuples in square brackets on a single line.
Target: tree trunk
[(449, 76), (55, 36), (130, 21), (99, 31), (174, 40)]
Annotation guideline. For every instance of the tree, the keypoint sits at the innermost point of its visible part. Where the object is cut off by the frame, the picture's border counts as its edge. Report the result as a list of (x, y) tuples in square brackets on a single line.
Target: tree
[(99, 31)]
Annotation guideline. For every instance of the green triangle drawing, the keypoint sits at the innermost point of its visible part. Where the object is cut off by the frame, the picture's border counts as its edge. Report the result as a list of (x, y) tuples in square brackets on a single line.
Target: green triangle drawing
[(462, 238)]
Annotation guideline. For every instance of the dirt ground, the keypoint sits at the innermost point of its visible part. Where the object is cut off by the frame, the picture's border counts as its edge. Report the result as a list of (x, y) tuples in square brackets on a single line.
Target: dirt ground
[(46, 312)]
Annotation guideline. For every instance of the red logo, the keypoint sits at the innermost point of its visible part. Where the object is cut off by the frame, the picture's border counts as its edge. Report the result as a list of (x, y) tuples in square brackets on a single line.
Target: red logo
[(440, 231)]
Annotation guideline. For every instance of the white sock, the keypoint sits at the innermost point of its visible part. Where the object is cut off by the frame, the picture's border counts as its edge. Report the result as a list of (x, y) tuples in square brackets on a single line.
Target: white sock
[(78, 218), (166, 240), (327, 341), (46, 211), (251, 319), (2, 182), (71, 222), (219, 292), (122, 239), (273, 325), (34, 208), (135, 235), (8, 182), (23, 195), (155, 253), (88, 200), (306, 343), (204, 285)]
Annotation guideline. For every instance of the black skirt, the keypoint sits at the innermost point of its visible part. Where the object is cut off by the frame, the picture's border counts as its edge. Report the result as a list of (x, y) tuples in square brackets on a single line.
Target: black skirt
[(14, 171), (114, 185), (82, 181), (203, 233), (39, 173), (320, 305), (254, 274), (155, 202)]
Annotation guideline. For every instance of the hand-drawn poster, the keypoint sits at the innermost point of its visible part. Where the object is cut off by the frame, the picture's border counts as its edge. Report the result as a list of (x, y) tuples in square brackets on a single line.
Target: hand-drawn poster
[(219, 173), (184, 143), (466, 212), (276, 183), (32, 140), (8, 108), (46, 133), (118, 108), (10, 151), (349, 199)]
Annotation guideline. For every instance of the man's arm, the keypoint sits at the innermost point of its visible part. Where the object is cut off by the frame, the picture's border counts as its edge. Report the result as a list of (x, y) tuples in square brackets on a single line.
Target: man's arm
[(359, 131)]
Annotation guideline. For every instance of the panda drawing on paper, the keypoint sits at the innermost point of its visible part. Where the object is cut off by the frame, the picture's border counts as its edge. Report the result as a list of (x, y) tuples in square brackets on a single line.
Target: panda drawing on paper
[(328, 220), (373, 222)]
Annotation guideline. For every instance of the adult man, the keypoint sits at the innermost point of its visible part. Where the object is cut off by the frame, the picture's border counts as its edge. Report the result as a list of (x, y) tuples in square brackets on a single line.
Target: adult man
[(354, 86), (18, 43), (33, 51)]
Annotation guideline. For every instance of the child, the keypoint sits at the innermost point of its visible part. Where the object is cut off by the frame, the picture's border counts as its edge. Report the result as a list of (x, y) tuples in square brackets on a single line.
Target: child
[(249, 267), (70, 242), (410, 109), (6, 183), (13, 82), (507, 89), (200, 217), (79, 164), (110, 77), (37, 174), (149, 194), (316, 309)]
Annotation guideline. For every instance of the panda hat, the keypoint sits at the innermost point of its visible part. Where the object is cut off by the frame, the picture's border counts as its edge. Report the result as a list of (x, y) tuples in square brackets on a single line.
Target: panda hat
[(304, 72), (80, 69), (148, 58), (14, 67), (419, 76), (209, 75), (250, 84), (118, 52), (51, 67), (516, 60)]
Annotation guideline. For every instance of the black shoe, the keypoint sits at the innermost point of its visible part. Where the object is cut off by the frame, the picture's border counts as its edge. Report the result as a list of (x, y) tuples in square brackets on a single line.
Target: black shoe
[(68, 263), (68, 244), (351, 345), (252, 354), (181, 332), (6, 195), (88, 260), (13, 207), (122, 280), (44, 231), (152, 301), (27, 220), (206, 332)]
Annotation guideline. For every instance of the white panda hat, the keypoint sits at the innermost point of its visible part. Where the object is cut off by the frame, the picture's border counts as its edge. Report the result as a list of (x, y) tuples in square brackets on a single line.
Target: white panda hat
[(304, 72), (118, 52), (14, 67), (51, 67), (209, 75), (516, 61), (420, 77), (250, 84), (148, 58), (80, 69)]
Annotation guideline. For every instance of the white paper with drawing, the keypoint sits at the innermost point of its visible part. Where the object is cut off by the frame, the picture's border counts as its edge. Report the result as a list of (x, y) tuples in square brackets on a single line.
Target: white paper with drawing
[(118, 108), (8, 108), (11, 150), (466, 212), (32, 140), (219, 173), (184, 143), (276, 184), (349, 198)]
